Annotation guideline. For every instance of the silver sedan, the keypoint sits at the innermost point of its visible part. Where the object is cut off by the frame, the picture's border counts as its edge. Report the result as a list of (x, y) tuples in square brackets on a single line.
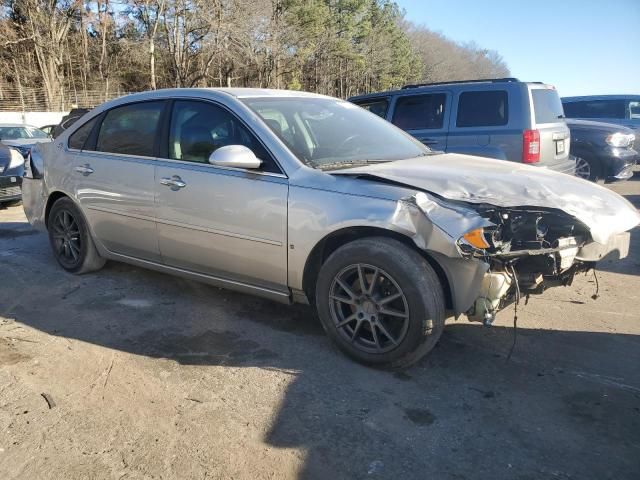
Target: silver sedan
[(305, 198)]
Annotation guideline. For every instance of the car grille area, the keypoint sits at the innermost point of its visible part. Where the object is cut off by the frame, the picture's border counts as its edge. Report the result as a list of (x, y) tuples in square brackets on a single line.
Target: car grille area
[(9, 192)]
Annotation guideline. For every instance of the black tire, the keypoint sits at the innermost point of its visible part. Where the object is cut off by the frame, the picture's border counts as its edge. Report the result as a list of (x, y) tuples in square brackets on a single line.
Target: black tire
[(372, 336), (71, 240)]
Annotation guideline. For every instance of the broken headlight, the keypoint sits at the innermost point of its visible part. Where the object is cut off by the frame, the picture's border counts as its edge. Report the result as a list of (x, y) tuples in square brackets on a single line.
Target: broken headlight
[(520, 230)]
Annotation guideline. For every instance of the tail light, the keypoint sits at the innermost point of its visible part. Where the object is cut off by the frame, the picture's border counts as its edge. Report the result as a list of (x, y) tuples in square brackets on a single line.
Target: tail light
[(530, 146)]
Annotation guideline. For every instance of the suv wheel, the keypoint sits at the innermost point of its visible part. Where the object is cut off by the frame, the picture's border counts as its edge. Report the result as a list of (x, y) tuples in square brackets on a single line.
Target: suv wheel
[(381, 302), (70, 239)]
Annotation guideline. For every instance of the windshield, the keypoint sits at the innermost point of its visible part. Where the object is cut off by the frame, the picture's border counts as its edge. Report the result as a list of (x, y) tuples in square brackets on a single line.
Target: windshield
[(546, 105), (16, 133), (326, 133)]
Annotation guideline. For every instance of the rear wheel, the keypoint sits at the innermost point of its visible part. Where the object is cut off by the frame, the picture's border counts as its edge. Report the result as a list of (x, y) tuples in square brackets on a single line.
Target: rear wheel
[(380, 302), (70, 238)]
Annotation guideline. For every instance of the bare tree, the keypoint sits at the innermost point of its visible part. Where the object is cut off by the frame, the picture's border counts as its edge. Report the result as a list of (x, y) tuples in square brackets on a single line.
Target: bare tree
[(99, 48)]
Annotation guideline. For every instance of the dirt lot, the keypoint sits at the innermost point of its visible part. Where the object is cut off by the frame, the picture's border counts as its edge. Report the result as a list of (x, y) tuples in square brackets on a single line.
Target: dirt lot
[(157, 377)]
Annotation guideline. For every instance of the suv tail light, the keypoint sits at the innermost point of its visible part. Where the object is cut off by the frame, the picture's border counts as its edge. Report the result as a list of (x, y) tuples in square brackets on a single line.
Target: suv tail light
[(530, 146)]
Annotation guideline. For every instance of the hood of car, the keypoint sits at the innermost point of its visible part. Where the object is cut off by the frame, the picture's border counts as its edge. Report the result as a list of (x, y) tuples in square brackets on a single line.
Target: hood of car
[(25, 142), (478, 180), (599, 126)]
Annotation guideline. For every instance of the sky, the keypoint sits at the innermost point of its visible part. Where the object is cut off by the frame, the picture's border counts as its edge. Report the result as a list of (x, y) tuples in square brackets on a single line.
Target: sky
[(583, 47)]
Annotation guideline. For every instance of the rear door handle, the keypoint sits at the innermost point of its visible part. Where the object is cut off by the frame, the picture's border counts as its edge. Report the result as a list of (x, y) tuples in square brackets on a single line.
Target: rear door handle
[(85, 169), (175, 182)]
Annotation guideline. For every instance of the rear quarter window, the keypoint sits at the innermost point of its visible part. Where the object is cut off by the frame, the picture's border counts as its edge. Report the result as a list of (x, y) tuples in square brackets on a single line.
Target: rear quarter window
[(483, 109), (547, 107), (79, 137)]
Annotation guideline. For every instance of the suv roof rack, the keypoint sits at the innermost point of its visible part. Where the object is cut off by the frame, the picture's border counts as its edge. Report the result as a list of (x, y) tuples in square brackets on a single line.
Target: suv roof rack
[(482, 80)]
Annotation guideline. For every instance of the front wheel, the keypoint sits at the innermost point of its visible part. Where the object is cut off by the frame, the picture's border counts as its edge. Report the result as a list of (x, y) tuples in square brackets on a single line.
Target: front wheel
[(70, 238), (589, 169), (380, 302), (583, 169)]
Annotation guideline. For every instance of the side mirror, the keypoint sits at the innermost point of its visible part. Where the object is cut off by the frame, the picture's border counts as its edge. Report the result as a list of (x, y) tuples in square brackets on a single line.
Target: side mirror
[(236, 156)]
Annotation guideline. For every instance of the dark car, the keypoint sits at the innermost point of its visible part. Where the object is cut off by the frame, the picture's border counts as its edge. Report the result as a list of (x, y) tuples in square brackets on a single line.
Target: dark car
[(48, 129), (67, 121), (605, 152), (502, 118), (620, 109), (11, 170)]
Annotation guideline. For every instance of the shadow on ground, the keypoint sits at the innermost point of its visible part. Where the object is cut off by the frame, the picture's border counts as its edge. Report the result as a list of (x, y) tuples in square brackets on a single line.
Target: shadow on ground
[(464, 412)]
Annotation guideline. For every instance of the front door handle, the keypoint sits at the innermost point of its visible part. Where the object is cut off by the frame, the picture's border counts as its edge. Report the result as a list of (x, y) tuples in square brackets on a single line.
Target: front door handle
[(85, 169), (429, 141), (175, 182)]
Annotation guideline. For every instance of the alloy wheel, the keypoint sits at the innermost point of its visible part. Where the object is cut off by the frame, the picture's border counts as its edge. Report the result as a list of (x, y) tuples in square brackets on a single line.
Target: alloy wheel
[(66, 238), (368, 308), (583, 169)]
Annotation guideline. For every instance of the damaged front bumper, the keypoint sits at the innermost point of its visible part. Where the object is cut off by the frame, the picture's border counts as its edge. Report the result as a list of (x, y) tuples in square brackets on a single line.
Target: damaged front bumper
[(521, 273)]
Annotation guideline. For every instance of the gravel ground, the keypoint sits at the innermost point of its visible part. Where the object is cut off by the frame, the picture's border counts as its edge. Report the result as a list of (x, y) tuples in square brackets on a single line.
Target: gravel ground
[(132, 374)]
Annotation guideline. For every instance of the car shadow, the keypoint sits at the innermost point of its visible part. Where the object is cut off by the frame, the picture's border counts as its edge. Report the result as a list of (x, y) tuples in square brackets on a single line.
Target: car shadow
[(463, 412)]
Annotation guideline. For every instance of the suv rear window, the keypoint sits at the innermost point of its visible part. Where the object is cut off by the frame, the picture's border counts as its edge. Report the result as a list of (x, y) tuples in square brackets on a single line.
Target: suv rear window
[(595, 109), (419, 112), (379, 107), (482, 109), (547, 106)]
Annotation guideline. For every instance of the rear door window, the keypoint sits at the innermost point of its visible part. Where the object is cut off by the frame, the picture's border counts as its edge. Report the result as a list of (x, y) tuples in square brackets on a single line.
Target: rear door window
[(547, 107), (420, 112), (378, 106), (130, 129), (483, 109)]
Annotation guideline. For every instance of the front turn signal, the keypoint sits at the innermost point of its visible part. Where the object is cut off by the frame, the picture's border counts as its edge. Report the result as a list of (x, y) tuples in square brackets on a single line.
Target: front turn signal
[(476, 238)]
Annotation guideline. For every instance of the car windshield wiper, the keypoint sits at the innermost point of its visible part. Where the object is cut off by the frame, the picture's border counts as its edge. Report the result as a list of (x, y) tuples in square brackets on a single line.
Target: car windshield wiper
[(345, 164)]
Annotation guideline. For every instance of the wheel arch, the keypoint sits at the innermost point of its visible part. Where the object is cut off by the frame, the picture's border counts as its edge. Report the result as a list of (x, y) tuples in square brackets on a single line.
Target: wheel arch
[(334, 240), (53, 198)]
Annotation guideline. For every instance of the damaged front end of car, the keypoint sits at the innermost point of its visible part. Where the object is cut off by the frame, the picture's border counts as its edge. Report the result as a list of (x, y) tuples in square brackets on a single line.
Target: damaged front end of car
[(499, 230), (528, 250), (502, 254)]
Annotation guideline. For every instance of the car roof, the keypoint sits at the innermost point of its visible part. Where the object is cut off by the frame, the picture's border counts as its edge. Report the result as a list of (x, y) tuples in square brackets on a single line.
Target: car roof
[(16, 125), (234, 92), (239, 93), (600, 97), (500, 84)]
